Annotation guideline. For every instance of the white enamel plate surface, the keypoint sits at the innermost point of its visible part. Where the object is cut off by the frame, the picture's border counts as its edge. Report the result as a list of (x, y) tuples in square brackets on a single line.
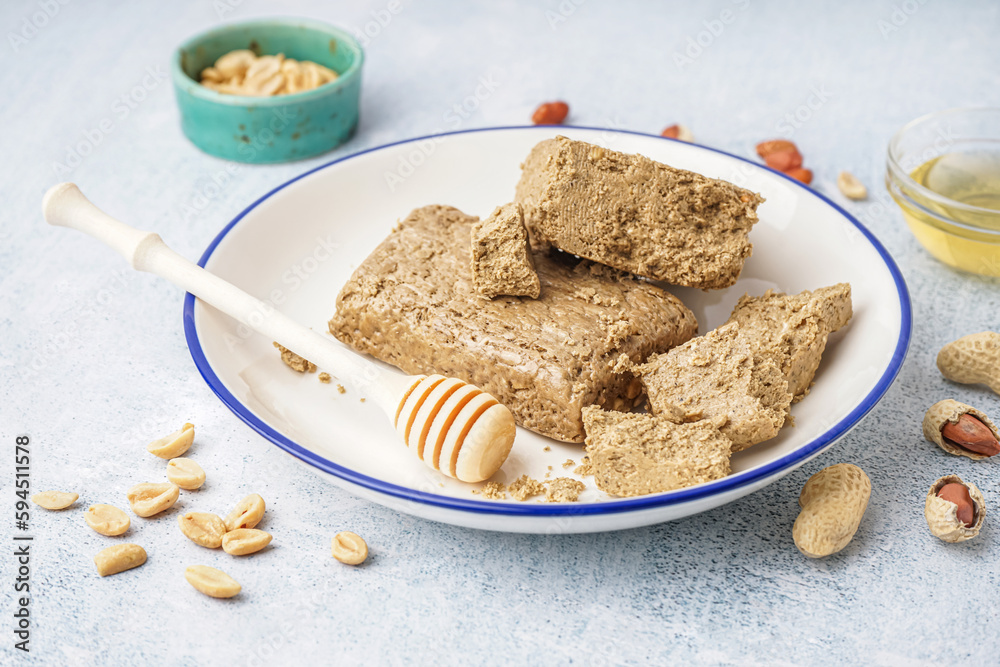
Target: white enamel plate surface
[(296, 246)]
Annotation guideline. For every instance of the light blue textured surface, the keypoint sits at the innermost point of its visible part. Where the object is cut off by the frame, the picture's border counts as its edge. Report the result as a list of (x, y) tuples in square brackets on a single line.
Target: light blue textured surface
[(94, 362)]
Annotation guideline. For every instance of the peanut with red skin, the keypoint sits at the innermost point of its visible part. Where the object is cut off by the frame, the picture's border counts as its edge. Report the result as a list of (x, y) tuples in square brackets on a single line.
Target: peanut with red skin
[(765, 148), (679, 132), (550, 113), (784, 160), (804, 175), (959, 495), (972, 435), (955, 509)]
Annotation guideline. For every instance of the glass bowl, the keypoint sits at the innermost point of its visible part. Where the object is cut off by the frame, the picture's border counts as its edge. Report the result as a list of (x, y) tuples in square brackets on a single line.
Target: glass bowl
[(943, 170)]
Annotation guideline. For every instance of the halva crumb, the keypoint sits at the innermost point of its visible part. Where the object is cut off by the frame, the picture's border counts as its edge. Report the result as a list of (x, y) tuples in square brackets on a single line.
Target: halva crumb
[(294, 361), (564, 490), (324, 378), (494, 491), (525, 487)]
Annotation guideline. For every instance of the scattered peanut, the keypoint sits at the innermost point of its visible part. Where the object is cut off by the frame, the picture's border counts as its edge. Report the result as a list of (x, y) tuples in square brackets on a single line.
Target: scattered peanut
[(958, 494), (765, 148), (243, 541), (971, 434), (174, 444), (679, 132), (972, 359), (119, 558), (185, 473), (107, 520), (833, 502), (784, 160), (550, 113), (961, 430), (804, 175), (203, 528), (247, 514), (212, 582), (54, 500), (349, 548), (955, 510), (784, 156), (149, 499), (243, 73), (851, 187)]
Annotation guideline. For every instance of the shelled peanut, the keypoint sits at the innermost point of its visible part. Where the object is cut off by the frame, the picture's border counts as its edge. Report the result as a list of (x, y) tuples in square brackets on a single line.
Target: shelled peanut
[(783, 155), (679, 132), (550, 113), (242, 72)]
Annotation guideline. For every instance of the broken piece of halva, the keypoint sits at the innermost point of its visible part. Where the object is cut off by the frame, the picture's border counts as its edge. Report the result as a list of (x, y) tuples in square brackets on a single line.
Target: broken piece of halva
[(794, 328), (636, 454), (635, 214), (720, 375), (501, 257)]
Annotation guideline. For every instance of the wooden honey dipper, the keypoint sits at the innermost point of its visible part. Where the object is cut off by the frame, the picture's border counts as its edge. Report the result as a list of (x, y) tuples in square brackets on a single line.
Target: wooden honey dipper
[(451, 425)]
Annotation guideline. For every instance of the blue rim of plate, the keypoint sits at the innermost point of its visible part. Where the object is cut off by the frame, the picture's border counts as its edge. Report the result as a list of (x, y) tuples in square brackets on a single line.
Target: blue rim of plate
[(726, 484)]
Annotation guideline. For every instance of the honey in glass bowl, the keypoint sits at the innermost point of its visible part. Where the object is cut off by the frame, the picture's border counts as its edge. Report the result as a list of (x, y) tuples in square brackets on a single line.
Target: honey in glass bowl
[(944, 172)]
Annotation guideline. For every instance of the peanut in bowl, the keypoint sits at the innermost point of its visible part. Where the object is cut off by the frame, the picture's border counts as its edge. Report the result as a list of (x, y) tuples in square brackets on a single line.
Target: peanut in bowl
[(266, 128)]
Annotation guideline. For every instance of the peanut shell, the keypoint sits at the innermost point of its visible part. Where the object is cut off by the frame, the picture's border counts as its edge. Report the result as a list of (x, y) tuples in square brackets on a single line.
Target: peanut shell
[(942, 515), (950, 410), (972, 359), (833, 502)]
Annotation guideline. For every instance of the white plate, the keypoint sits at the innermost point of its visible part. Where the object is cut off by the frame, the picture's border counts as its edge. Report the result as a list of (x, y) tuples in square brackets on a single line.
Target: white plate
[(298, 244)]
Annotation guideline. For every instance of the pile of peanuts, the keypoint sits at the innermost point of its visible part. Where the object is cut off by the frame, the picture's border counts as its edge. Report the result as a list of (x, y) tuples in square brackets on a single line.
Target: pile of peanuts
[(242, 72), (834, 499), (954, 509), (237, 534)]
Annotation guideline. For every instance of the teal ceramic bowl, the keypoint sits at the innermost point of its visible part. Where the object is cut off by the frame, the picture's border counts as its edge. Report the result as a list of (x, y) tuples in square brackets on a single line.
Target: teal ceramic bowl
[(281, 128)]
